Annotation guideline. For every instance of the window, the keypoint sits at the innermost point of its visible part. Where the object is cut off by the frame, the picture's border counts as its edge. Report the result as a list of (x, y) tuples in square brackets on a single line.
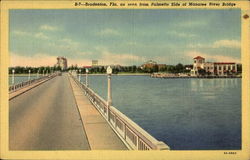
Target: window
[(229, 67), (194, 61), (224, 67), (219, 67)]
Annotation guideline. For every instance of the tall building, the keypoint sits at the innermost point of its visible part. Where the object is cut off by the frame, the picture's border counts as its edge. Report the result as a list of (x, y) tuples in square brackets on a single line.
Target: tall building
[(62, 62), (94, 63), (213, 68)]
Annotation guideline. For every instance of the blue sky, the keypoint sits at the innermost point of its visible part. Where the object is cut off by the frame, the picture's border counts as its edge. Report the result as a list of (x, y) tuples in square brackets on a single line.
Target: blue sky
[(125, 37)]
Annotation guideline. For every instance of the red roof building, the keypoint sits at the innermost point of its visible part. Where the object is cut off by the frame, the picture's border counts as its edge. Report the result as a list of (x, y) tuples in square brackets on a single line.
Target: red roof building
[(87, 66), (199, 57), (213, 68)]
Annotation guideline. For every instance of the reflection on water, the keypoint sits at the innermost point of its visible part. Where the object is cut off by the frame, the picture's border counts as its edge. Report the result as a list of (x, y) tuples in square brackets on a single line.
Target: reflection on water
[(218, 84), (184, 113)]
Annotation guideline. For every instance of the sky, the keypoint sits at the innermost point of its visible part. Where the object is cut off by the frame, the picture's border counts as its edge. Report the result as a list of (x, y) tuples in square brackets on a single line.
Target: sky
[(125, 37)]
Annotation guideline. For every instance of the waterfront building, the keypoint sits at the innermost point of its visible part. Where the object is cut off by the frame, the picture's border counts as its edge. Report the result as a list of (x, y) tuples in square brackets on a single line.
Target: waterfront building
[(149, 64), (212, 68), (62, 62)]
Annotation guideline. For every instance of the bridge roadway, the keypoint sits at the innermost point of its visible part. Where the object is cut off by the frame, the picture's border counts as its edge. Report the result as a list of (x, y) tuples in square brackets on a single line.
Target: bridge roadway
[(47, 118)]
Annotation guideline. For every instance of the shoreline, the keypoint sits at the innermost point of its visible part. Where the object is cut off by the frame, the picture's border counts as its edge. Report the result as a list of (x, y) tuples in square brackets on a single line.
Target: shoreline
[(139, 74)]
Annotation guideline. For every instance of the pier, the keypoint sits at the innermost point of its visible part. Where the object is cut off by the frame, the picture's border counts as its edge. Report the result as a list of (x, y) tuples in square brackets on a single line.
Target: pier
[(60, 113)]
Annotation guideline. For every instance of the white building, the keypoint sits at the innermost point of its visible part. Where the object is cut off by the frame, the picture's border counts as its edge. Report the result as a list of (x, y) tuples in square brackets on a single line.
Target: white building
[(62, 62), (212, 68), (94, 63)]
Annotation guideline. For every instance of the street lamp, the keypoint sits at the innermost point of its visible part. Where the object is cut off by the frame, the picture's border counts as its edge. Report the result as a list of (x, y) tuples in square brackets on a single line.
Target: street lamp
[(87, 71), (37, 73), (109, 98), (13, 76), (29, 75), (79, 74)]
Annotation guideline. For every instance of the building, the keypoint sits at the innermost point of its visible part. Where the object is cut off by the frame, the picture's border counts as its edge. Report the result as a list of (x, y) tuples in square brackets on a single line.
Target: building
[(201, 67), (62, 62), (149, 64), (94, 63)]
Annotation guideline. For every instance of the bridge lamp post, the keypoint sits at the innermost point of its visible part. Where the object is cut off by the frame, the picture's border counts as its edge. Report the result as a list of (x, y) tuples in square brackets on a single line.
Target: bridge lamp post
[(29, 75), (37, 73), (13, 76), (109, 98), (87, 71), (79, 76)]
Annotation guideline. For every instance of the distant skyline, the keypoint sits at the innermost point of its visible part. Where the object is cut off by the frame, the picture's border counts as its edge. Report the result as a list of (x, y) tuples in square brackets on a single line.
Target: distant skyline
[(125, 37)]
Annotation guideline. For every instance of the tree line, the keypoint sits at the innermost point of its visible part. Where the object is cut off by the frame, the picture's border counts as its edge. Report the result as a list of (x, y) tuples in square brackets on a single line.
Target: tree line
[(25, 70), (179, 68)]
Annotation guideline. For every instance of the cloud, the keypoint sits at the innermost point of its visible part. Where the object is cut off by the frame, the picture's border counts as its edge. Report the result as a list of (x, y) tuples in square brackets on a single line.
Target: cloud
[(82, 53), (161, 59), (214, 58), (182, 34), (109, 32), (191, 24), (40, 59), (43, 59), (38, 35), (218, 44), (65, 45), (79, 62), (227, 44), (21, 33), (41, 35), (197, 45), (108, 58), (69, 41), (48, 28)]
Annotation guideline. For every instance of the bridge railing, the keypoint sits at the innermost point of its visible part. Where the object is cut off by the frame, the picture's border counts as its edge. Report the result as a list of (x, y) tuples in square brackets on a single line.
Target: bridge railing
[(18, 86), (129, 132)]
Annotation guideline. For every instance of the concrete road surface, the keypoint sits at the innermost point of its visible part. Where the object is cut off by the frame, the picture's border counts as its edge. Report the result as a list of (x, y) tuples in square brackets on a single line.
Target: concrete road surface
[(46, 118)]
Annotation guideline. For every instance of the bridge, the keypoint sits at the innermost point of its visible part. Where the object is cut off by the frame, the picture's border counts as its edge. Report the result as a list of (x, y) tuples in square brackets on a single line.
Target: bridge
[(57, 112)]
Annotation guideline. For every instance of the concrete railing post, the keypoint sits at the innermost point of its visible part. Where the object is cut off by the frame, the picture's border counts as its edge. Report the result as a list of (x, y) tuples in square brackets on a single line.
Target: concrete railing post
[(29, 75), (109, 98), (13, 76), (87, 71)]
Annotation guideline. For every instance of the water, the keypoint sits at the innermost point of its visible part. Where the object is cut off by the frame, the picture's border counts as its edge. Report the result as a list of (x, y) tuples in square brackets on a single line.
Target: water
[(19, 79), (187, 114)]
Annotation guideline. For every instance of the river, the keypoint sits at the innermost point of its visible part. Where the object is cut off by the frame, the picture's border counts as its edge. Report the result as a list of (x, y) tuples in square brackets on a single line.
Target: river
[(187, 114), (19, 79)]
